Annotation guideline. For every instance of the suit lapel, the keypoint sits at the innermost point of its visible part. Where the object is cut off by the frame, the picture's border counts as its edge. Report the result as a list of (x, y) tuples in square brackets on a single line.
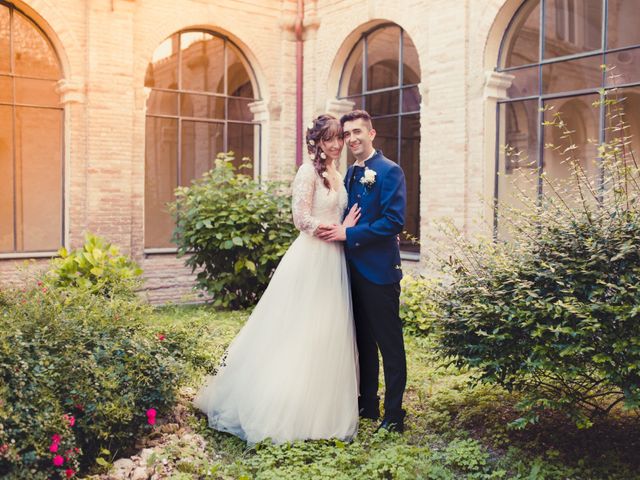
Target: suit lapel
[(349, 178)]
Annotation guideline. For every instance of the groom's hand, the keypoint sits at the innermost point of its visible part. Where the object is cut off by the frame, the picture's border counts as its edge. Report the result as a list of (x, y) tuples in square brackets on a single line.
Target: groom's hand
[(332, 233), (322, 230)]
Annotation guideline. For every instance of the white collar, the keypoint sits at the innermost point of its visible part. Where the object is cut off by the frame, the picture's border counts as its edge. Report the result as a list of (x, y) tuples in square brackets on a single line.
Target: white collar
[(359, 163)]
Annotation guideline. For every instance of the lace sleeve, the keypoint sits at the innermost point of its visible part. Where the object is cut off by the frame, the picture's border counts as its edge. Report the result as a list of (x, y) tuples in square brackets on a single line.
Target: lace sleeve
[(304, 186)]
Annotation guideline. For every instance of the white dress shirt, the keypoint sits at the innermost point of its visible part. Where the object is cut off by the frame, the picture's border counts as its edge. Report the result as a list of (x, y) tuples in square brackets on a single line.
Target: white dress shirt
[(360, 163)]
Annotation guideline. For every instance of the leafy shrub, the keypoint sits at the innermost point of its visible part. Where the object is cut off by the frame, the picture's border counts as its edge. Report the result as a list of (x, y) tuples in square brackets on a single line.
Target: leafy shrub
[(98, 267), (233, 230), (417, 310), (77, 365), (555, 313)]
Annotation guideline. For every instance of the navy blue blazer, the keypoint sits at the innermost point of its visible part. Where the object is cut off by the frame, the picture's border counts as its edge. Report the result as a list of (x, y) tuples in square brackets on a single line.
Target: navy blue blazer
[(372, 247)]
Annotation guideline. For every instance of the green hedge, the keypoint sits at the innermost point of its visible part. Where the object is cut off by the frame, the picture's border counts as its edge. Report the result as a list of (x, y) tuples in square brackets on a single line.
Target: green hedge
[(78, 372)]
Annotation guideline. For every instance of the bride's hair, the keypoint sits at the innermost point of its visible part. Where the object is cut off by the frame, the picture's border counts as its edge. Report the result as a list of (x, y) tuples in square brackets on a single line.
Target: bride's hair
[(325, 127)]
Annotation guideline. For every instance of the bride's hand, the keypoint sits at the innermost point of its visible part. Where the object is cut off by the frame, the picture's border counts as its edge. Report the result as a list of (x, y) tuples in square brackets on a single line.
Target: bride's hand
[(352, 217)]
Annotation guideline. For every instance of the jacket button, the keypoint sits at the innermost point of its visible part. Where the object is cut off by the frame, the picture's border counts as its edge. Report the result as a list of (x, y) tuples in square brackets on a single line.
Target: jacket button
[(359, 195), (357, 244)]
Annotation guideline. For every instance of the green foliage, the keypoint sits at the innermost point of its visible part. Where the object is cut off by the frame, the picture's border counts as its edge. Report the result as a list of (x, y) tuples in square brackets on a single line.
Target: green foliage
[(73, 354), (97, 267), (417, 310), (233, 231), (554, 313), (466, 455), (461, 445), (378, 456), (194, 336)]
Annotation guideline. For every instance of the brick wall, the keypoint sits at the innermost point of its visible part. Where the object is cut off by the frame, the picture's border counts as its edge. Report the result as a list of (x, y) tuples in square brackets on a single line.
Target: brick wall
[(105, 46)]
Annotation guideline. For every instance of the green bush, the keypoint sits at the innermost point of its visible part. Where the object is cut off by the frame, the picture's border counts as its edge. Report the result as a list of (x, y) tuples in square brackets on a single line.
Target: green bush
[(417, 309), (97, 267), (555, 313), (76, 362), (233, 231)]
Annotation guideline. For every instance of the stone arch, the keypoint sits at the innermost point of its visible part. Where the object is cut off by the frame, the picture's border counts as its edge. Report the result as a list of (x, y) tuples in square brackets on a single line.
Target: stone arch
[(343, 51), (495, 21), (169, 28), (54, 25)]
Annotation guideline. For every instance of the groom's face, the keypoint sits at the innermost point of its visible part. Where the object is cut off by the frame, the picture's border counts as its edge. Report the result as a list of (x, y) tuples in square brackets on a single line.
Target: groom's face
[(358, 135)]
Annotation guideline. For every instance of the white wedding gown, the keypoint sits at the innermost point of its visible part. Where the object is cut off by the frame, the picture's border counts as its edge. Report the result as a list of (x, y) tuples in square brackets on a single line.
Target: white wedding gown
[(291, 373)]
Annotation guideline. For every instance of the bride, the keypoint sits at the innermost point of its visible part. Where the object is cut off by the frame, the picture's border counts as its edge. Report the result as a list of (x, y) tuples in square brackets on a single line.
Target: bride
[(291, 373)]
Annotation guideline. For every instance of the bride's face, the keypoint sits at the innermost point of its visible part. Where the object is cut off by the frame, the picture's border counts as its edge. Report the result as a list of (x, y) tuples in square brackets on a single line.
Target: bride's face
[(332, 147)]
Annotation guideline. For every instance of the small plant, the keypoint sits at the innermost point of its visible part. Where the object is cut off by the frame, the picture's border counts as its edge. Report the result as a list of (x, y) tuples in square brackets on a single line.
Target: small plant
[(466, 455), (97, 267), (233, 230)]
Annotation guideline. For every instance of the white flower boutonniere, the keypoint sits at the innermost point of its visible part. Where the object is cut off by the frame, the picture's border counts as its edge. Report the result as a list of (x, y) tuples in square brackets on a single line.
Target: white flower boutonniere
[(369, 178)]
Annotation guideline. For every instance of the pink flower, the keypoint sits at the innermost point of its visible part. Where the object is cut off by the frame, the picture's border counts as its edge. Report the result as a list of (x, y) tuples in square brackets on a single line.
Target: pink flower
[(151, 416), (55, 438), (70, 418), (58, 460), (53, 448), (69, 473), (160, 336)]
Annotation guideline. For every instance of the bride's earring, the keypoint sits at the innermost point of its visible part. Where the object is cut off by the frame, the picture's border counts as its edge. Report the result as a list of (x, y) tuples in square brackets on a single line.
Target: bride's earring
[(323, 155)]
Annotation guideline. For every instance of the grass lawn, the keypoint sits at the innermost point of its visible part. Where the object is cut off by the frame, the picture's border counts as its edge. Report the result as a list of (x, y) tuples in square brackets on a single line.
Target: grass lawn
[(454, 429)]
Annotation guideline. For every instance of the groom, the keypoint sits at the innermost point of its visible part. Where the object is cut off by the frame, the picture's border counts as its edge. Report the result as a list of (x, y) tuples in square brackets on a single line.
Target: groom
[(377, 185)]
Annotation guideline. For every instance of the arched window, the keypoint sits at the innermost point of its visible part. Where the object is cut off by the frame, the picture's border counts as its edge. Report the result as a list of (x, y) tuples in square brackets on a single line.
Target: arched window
[(199, 105), (381, 75), (551, 57), (31, 133)]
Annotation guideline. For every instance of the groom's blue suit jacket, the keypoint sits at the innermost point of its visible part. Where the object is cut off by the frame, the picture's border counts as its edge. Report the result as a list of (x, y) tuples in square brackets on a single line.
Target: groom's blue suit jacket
[(372, 246)]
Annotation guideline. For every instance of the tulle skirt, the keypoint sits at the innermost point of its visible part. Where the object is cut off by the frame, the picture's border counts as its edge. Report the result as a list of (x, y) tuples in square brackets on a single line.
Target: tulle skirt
[(291, 373)]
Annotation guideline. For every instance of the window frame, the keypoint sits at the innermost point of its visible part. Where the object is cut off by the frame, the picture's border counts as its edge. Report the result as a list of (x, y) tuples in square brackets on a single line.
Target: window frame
[(13, 104), (542, 97), (257, 163)]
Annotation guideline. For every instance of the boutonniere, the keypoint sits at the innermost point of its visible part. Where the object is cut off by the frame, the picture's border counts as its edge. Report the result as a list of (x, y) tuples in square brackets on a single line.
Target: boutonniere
[(369, 178)]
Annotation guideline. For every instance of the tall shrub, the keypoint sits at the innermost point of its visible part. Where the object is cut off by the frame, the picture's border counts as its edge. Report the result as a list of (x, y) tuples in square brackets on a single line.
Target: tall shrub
[(555, 312), (233, 230)]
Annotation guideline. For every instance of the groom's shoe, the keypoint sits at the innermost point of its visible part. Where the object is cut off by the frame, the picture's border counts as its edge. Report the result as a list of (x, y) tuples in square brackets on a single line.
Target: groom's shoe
[(391, 425), (369, 413)]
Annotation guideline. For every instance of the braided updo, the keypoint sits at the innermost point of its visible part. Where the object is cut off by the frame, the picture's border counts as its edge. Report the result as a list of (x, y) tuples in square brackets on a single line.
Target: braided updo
[(325, 127)]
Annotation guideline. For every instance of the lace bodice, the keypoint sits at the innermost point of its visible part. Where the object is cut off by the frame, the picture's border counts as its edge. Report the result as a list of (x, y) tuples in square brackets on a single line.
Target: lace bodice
[(313, 204)]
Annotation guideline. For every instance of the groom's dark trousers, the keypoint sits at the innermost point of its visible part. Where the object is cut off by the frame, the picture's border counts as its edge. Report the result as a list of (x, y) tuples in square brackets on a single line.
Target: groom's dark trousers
[(374, 262), (375, 309)]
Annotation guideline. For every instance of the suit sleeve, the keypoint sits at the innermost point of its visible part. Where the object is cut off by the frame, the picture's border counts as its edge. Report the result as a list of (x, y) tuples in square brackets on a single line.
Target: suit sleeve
[(391, 220)]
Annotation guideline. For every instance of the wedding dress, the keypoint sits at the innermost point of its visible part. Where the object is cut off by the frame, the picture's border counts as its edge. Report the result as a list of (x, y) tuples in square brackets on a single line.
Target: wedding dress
[(291, 373)]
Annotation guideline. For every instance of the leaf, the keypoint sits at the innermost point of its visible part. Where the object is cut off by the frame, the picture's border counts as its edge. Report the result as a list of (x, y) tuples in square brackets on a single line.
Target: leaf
[(97, 271)]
